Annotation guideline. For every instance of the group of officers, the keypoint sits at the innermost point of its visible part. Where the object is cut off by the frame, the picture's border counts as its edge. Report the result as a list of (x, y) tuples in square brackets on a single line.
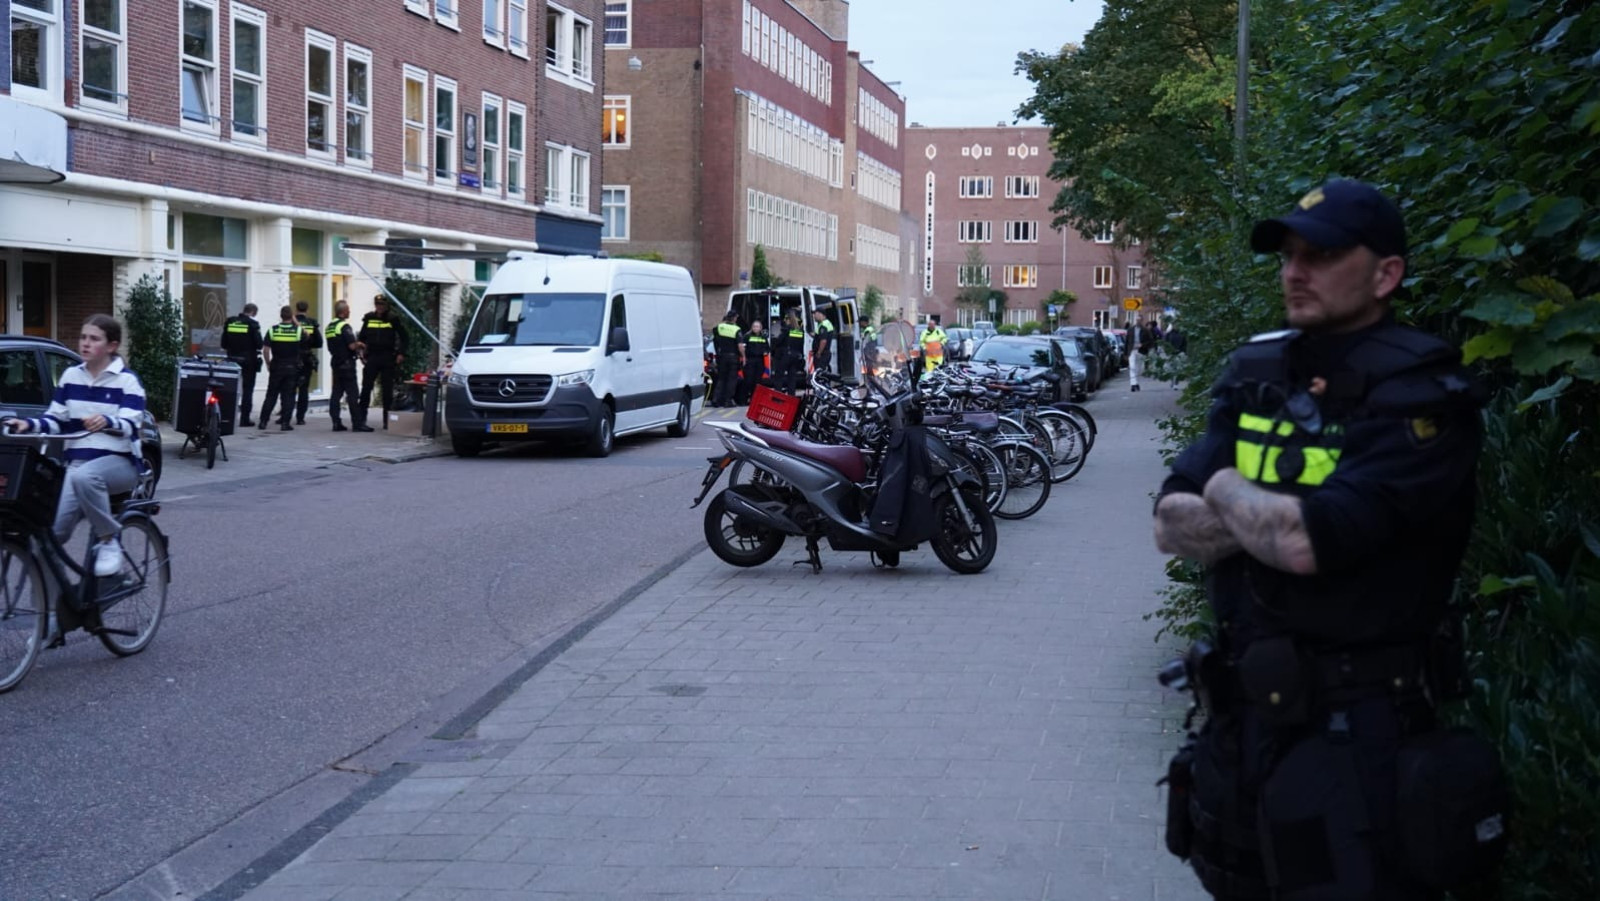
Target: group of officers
[(742, 355), (289, 349)]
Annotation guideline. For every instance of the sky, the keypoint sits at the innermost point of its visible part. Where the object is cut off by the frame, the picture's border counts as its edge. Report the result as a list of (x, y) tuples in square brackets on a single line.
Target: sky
[(954, 59)]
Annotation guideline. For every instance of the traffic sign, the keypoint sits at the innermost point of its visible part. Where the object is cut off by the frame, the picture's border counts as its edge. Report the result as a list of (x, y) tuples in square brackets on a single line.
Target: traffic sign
[(1131, 303)]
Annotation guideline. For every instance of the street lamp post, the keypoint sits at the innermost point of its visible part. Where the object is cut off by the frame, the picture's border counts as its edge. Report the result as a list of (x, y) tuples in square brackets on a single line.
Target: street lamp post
[(1241, 99)]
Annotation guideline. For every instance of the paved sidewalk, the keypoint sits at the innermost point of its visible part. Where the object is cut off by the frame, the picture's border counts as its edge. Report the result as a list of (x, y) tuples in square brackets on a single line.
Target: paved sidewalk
[(859, 734)]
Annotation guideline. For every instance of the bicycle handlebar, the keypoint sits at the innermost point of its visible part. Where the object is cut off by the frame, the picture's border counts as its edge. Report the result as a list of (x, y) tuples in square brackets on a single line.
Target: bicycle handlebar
[(7, 434)]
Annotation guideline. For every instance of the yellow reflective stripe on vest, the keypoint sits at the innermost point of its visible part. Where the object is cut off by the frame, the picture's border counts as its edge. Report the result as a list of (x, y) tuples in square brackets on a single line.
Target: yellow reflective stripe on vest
[(377, 323), (334, 328), (239, 328), (1264, 425), (1259, 462), (727, 330)]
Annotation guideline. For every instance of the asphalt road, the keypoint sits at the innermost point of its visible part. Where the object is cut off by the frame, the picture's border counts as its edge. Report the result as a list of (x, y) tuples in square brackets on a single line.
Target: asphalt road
[(308, 619)]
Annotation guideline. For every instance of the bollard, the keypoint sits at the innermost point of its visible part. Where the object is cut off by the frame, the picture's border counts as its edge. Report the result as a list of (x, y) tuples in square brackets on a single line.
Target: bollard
[(430, 406)]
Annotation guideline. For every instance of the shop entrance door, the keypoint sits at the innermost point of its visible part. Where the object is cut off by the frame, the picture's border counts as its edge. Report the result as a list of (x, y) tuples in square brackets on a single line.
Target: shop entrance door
[(38, 297)]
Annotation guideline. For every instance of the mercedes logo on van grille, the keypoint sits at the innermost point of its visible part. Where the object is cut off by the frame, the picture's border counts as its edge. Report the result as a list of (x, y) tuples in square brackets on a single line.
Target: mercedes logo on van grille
[(508, 387)]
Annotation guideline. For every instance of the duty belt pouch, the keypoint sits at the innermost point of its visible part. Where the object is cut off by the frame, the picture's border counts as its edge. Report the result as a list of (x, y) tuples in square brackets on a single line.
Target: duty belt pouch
[(1180, 788), (1452, 807), (1276, 680), (1313, 823)]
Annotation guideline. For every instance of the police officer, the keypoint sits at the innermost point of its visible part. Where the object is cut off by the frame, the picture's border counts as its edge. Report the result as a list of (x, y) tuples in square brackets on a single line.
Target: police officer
[(385, 341), (343, 349), (821, 343), (725, 344), (241, 341), (791, 354), (310, 343), (1331, 497), (755, 362), (282, 351)]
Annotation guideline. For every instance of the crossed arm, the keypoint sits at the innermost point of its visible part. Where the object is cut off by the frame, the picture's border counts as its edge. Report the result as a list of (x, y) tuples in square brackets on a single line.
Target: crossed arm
[(1232, 515)]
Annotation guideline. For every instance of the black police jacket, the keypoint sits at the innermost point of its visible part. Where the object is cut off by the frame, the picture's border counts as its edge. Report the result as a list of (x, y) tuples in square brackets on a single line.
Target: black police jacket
[(385, 339), (241, 337), (284, 339), (1378, 433), (340, 336)]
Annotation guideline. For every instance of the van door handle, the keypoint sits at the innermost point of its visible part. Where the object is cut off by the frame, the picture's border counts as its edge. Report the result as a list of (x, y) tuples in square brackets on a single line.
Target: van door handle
[(630, 359)]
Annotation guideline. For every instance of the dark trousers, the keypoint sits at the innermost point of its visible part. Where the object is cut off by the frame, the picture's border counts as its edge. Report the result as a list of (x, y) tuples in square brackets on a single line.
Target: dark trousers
[(247, 385), (377, 372), (791, 373), (344, 385), (280, 384), (303, 387), (752, 376), (727, 379)]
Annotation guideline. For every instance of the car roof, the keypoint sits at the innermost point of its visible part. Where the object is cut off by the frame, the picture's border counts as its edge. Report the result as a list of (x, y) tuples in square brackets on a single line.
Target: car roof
[(35, 340)]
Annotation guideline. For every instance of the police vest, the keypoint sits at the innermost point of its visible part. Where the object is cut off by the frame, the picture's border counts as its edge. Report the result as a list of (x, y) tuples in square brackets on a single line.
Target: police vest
[(382, 342), (726, 338), (236, 340), (338, 345), (285, 341), (933, 343)]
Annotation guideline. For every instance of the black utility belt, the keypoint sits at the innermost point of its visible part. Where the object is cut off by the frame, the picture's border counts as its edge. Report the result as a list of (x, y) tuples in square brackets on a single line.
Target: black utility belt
[(1288, 682)]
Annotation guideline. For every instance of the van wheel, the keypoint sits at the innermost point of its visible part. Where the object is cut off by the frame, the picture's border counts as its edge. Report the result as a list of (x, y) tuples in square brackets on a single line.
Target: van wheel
[(601, 439), (466, 446), (684, 421)]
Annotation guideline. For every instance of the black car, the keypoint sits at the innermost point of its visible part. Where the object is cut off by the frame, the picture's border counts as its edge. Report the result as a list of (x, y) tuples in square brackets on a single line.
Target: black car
[(1102, 346), (29, 370), (1028, 357)]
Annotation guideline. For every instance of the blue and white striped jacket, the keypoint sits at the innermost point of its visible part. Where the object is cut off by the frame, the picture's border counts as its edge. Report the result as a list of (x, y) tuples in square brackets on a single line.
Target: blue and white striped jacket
[(116, 395)]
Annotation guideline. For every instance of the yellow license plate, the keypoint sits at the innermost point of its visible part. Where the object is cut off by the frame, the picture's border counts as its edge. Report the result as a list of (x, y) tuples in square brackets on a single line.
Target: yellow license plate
[(505, 428)]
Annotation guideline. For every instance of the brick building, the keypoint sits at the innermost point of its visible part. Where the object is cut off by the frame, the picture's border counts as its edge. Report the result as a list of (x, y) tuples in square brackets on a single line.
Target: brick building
[(982, 196), (735, 123), (228, 148)]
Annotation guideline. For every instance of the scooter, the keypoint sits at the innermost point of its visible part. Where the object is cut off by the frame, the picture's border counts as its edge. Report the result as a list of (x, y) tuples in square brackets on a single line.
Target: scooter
[(819, 491)]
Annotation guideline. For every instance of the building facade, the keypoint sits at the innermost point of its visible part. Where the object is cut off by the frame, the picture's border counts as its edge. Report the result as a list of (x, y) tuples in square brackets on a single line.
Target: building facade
[(732, 124), (983, 198), (229, 149)]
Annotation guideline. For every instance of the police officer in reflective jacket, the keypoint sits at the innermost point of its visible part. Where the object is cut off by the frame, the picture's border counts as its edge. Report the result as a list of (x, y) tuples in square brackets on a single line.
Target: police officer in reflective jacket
[(283, 368), (1331, 499), (343, 349), (725, 342), (385, 341), (241, 341)]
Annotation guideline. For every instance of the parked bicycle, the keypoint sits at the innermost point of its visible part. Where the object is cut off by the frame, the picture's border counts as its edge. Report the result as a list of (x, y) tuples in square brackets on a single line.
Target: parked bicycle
[(207, 388), (122, 610)]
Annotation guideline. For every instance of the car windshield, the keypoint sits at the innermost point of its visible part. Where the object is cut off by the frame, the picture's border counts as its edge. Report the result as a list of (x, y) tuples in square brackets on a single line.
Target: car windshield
[(1071, 348), (531, 320), (1007, 353)]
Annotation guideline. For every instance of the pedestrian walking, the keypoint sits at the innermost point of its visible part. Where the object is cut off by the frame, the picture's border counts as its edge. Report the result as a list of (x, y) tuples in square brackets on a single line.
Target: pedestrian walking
[(343, 350), (310, 343), (1331, 498), (821, 342), (282, 350), (1135, 356), (755, 362), (241, 341), (385, 341), (725, 345)]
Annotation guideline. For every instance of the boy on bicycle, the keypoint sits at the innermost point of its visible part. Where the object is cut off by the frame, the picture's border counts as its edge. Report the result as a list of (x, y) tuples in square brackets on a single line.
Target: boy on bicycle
[(97, 394)]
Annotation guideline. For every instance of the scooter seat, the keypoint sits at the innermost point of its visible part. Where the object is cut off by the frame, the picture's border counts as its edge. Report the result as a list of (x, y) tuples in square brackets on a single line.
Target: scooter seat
[(846, 459)]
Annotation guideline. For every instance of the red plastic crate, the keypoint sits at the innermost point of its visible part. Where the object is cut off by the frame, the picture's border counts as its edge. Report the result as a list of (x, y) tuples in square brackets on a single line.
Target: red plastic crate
[(773, 409)]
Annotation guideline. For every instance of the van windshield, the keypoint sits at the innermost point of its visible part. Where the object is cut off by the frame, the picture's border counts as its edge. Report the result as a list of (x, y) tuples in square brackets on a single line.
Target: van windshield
[(533, 320)]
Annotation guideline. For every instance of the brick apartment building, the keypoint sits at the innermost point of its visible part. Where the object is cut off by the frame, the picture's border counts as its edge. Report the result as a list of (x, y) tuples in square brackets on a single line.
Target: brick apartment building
[(228, 148), (986, 193), (735, 123)]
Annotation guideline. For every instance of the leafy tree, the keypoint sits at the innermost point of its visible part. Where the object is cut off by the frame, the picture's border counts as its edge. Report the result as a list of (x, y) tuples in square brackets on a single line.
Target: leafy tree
[(998, 298), (871, 305), (154, 324), (760, 275), (975, 292), (1061, 300), (422, 299)]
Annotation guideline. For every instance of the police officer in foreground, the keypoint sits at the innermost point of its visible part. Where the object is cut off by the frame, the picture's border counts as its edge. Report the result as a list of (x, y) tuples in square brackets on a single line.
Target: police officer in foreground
[(310, 343), (755, 362), (385, 341), (821, 343), (725, 344), (1331, 498), (343, 350), (282, 351), (241, 341), (789, 366)]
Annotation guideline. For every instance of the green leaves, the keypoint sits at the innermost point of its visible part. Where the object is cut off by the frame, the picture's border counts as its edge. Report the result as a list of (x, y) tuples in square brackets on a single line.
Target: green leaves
[(1556, 216)]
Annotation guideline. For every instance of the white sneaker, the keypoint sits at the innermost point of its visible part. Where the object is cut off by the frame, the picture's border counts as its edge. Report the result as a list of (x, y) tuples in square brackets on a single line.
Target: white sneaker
[(108, 558)]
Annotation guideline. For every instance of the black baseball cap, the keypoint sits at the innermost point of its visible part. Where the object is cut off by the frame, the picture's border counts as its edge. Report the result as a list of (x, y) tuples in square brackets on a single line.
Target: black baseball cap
[(1341, 213)]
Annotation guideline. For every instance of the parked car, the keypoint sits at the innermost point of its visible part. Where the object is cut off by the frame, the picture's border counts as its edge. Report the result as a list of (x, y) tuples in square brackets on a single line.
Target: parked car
[(1082, 363), (1031, 357), (962, 344), (1099, 344), (29, 370)]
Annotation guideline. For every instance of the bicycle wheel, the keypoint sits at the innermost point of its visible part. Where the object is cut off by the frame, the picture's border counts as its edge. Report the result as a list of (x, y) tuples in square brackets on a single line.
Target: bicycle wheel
[(1080, 413), (213, 434), (1027, 480), (980, 461), (129, 623), (1069, 443), (22, 613)]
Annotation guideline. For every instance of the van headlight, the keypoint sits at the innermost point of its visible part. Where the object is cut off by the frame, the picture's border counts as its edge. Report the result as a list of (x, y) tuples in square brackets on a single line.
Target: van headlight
[(456, 379), (575, 378)]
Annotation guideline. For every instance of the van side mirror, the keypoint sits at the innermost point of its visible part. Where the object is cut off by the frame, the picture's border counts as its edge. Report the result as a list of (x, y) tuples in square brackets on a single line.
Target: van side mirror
[(619, 340)]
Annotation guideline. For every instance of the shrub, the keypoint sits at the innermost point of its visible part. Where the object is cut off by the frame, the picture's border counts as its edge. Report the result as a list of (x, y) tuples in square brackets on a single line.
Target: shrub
[(154, 326)]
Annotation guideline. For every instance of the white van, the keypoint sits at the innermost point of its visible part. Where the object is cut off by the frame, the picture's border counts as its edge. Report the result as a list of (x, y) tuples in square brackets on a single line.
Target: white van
[(577, 348)]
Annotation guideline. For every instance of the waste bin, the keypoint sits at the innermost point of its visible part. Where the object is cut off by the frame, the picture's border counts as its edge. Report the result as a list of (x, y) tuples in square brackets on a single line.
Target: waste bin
[(195, 378)]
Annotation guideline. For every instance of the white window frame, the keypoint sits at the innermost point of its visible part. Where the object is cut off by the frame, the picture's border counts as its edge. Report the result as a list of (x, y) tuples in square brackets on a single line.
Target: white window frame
[(445, 135), (963, 281), (356, 54), (516, 150), (330, 124), (1022, 185), (1020, 275), (517, 27), (578, 180), (624, 103), (571, 59), (208, 70), (1105, 236), (238, 13), (974, 231), (745, 46), (1022, 231), (422, 169), (54, 48), (118, 40), (1135, 275), (491, 166), (494, 23), (420, 7), (607, 13), (977, 187), (447, 13), (625, 207), (1105, 277)]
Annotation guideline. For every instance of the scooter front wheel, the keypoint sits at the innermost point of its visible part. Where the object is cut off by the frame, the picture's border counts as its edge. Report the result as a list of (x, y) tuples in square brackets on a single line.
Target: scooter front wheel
[(738, 541), (967, 536)]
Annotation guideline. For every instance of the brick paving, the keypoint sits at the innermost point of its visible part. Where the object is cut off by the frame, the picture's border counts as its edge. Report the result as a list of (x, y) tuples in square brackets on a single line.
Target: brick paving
[(860, 734)]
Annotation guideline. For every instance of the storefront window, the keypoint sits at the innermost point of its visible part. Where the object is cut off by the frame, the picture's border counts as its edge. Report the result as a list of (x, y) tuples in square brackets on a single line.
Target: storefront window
[(215, 236), (307, 247), (211, 293)]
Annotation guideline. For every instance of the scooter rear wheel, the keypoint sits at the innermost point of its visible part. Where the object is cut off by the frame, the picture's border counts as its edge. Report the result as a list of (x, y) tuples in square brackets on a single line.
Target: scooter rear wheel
[(737, 541)]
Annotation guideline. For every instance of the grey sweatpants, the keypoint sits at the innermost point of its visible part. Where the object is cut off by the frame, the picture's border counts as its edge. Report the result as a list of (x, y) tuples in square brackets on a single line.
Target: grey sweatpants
[(87, 493)]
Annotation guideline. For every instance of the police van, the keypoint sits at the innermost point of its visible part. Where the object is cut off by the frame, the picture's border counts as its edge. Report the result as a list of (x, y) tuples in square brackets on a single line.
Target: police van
[(771, 304), (577, 348)]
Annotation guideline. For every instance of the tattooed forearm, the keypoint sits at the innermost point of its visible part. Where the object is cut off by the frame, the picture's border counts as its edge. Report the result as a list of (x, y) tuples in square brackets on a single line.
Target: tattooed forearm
[(1187, 527), (1271, 527)]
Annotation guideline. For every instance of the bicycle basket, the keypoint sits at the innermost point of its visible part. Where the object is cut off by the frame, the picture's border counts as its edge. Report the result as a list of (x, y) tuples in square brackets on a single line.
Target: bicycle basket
[(30, 484)]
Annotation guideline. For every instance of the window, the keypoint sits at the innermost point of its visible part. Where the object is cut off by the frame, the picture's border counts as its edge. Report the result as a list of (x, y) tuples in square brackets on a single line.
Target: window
[(492, 143), (1022, 232), (444, 129), (1103, 236), (972, 231), (198, 94), (578, 183), (972, 276), (444, 11), (420, 7), (249, 74), (977, 186), (568, 53), (517, 26), (319, 93), (619, 23), (516, 115), (614, 213), (36, 63), (494, 25), (1135, 275), (1103, 277), (1020, 276), (357, 106), (1022, 186), (582, 51), (614, 120), (745, 42), (103, 52), (416, 123)]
